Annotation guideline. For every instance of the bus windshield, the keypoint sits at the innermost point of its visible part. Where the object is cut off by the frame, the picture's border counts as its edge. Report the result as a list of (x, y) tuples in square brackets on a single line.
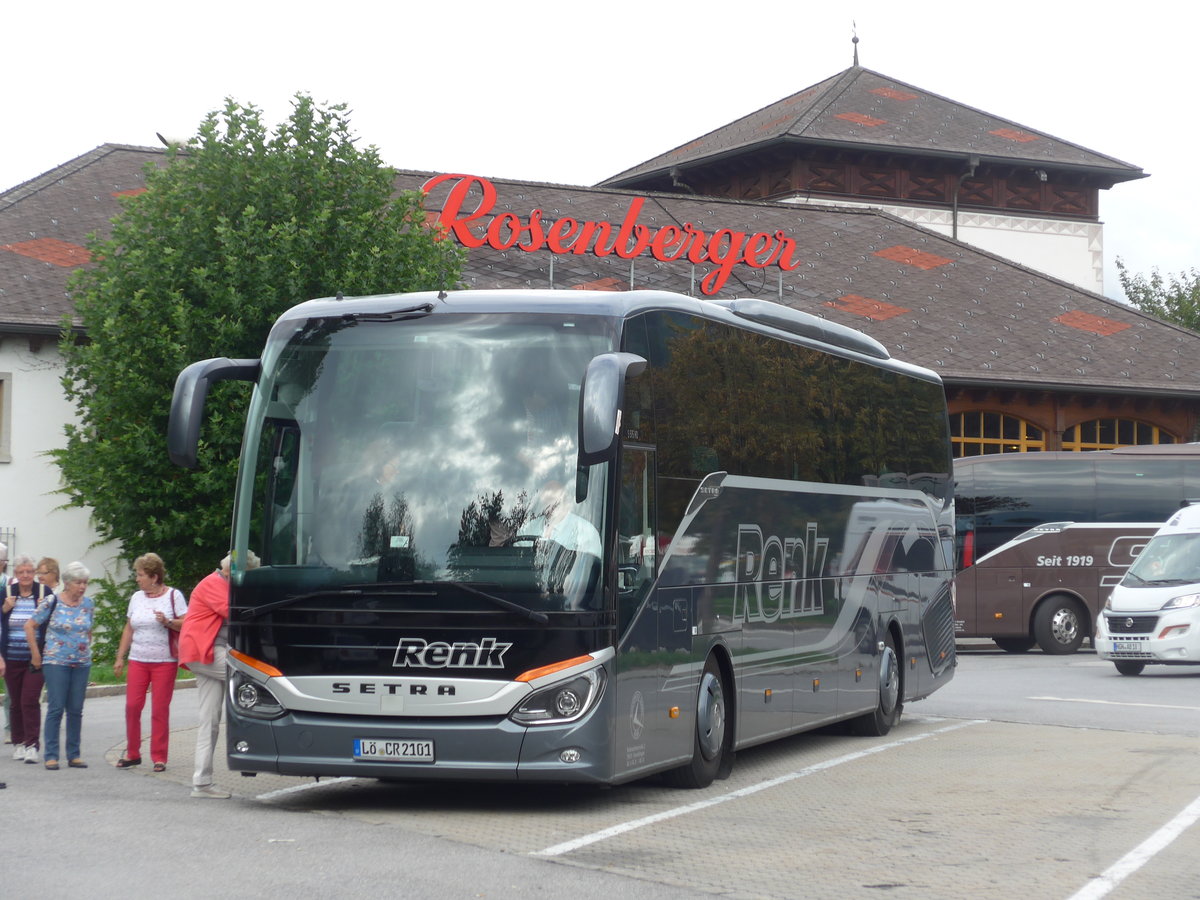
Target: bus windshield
[(437, 451)]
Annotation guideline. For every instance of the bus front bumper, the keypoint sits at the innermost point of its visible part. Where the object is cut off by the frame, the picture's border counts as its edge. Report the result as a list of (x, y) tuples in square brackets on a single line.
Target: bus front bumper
[(316, 745)]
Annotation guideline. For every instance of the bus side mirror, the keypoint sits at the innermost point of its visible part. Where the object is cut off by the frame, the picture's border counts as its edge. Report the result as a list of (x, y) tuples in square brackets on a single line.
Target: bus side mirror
[(600, 401), (187, 403)]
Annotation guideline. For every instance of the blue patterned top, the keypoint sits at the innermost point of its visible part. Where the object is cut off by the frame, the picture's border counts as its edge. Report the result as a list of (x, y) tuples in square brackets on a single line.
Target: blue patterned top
[(69, 634)]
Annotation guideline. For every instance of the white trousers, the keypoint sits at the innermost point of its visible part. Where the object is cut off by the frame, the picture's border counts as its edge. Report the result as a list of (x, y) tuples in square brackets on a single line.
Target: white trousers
[(210, 689)]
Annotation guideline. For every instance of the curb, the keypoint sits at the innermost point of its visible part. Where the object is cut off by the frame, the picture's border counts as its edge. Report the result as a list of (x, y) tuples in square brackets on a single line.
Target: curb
[(111, 690)]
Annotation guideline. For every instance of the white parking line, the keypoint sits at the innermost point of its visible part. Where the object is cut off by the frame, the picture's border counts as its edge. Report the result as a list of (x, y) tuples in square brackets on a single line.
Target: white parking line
[(626, 827), (1114, 703), (1140, 855), (297, 788)]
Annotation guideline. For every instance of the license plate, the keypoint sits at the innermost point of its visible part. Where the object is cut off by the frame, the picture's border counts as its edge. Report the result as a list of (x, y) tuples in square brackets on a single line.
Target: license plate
[(393, 751), (1127, 646)]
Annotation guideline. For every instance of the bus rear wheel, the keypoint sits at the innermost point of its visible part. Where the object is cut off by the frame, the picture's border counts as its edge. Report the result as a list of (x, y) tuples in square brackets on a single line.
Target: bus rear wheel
[(1129, 667), (710, 743), (1059, 625), (891, 696)]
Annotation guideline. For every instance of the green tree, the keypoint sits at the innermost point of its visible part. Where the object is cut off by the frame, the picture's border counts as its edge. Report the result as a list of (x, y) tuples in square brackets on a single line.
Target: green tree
[(239, 225), (1175, 298)]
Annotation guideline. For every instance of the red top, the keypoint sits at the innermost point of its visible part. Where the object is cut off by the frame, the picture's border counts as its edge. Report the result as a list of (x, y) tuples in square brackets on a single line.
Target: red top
[(208, 608)]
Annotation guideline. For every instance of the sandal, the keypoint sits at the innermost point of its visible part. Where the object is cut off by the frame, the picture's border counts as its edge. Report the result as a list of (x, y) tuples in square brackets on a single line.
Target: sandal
[(160, 767), (52, 765), (124, 763)]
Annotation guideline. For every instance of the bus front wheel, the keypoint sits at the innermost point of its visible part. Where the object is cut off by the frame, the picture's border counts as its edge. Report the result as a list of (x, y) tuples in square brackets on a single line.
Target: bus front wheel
[(1059, 625), (710, 743)]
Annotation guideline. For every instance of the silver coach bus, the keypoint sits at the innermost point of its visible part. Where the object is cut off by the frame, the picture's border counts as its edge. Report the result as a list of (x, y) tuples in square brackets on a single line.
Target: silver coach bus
[(572, 536)]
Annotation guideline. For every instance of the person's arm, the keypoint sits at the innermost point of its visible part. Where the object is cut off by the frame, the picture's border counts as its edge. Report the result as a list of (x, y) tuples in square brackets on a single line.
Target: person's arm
[(1, 666), (123, 648), (35, 655)]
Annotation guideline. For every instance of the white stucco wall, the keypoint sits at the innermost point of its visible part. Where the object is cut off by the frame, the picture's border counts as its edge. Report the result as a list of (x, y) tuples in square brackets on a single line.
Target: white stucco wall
[(34, 417), (1069, 250)]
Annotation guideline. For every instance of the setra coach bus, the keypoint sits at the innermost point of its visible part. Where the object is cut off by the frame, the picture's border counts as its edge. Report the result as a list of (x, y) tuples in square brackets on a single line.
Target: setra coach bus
[(575, 536), (1042, 537)]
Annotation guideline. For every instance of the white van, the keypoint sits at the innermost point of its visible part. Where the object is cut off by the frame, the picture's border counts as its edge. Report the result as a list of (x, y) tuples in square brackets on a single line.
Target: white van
[(1153, 616)]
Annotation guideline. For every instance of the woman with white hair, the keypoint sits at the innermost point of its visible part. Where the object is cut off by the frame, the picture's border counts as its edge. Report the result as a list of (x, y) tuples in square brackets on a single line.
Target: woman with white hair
[(22, 677), (203, 642), (66, 661)]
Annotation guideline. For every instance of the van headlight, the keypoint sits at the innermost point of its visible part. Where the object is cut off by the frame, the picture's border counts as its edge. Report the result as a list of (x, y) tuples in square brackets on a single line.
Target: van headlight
[(1183, 602), (566, 701)]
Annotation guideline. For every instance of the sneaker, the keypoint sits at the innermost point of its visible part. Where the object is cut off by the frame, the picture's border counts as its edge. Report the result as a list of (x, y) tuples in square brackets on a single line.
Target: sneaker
[(19, 751), (211, 791), (31, 754)]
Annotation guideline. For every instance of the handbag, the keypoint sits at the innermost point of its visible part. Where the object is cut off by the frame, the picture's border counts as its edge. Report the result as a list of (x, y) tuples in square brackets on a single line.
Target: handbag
[(172, 634)]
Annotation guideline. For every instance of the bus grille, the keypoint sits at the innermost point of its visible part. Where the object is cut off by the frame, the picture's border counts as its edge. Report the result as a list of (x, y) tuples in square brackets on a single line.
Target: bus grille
[(1130, 624), (938, 625)]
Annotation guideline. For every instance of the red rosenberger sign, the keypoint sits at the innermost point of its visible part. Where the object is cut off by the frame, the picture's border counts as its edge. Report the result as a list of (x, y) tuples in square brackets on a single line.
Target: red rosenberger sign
[(723, 249)]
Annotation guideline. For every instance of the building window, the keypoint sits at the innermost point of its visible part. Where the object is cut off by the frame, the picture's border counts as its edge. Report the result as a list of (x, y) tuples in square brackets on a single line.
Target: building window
[(5, 417), (980, 433), (1104, 434)]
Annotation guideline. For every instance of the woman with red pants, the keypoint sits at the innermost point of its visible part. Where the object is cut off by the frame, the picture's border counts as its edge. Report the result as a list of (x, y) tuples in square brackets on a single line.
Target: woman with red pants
[(155, 610)]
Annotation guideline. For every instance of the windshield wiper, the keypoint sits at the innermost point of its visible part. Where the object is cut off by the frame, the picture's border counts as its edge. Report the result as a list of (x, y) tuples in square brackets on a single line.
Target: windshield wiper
[(532, 614), (288, 601), (395, 315)]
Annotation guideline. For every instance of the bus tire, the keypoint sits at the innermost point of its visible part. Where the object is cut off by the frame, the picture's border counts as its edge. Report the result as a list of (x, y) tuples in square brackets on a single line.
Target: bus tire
[(710, 743), (1129, 666), (891, 695), (1059, 625), (1014, 644)]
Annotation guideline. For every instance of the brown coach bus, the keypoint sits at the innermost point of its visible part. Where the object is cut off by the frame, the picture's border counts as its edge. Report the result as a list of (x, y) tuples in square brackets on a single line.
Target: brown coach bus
[(1048, 585), (1036, 550)]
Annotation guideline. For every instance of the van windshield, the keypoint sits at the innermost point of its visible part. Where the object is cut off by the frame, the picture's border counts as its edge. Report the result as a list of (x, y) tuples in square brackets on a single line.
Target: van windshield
[(1168, 559)]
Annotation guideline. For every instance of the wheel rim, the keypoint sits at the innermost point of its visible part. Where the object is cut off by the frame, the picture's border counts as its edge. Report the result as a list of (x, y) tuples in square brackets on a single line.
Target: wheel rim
[(710, 716), (1064, 626), (889, 681)]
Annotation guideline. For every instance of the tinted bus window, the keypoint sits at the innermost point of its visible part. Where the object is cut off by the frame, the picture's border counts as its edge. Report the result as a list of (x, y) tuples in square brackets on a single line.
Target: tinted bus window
[(1137, 490), (996, 503)]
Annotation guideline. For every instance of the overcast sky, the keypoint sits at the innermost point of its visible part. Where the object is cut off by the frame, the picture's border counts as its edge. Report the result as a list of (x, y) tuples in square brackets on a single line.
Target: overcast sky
[(575, 92)]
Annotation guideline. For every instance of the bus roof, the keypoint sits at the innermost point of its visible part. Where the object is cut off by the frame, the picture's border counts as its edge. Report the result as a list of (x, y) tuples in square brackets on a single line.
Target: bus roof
[(762, 316), (1156, 451)]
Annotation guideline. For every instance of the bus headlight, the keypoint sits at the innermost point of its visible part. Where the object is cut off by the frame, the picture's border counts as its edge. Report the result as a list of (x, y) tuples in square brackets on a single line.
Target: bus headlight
[(252, 699), (1183, 602), (563, 702)]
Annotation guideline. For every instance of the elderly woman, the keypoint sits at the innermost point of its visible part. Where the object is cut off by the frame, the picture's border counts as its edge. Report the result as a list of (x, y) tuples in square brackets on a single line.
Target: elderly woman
[(47, 573), (155, 610), (203, 642), (66, 661), (22, 679)]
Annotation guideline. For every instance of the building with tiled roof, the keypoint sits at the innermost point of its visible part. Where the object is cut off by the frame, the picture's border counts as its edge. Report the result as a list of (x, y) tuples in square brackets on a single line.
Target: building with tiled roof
[(862, 138), (1030, 361)]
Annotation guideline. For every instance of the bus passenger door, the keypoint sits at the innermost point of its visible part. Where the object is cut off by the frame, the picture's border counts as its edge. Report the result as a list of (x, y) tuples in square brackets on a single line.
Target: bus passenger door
[(646, 620)]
